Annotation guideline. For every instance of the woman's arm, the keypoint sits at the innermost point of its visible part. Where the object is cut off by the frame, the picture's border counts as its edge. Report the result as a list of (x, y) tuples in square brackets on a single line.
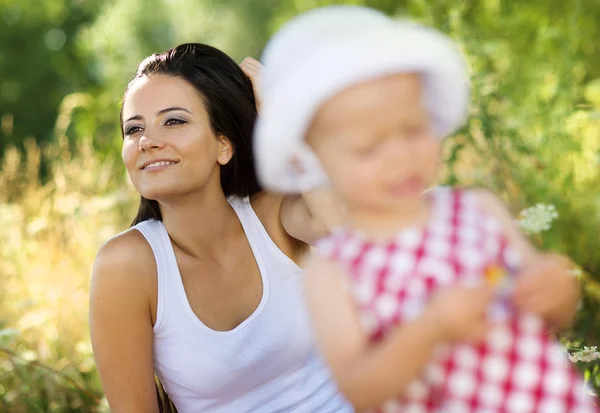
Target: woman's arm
[(545, 287), (368, 374), (121, 324)]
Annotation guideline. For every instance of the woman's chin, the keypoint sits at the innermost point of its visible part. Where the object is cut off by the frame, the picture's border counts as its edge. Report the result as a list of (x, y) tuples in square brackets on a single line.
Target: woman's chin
[(159, 195)]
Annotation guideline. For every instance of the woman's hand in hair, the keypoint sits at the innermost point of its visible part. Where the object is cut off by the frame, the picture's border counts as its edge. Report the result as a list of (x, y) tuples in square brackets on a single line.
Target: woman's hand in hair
[(252, 69)]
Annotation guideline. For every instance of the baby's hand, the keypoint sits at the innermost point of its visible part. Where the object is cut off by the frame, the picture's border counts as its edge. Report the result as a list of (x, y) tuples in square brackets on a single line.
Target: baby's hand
[(546, 288), (460, 313)]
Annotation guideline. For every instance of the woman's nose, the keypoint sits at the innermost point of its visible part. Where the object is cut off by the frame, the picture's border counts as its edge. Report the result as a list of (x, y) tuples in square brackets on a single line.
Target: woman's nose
[(148, 143)]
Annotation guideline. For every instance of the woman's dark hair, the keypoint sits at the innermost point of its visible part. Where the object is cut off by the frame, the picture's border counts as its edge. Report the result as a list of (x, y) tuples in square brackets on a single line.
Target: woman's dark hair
[(165, 404), (229, 100)]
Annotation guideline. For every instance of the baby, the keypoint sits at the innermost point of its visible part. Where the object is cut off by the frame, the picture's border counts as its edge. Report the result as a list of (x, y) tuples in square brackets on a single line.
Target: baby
[(416, 303)]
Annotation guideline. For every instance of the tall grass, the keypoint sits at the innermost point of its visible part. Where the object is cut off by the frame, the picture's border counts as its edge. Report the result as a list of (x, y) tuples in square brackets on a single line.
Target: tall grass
[(49, 234)]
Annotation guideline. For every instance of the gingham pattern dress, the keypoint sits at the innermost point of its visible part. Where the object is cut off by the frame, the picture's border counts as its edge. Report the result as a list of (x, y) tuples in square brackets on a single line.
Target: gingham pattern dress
[(518, 368)]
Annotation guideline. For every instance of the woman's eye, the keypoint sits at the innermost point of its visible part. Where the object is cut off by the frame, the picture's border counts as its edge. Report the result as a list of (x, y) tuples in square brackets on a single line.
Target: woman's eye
[(174, 121), (132, 129)]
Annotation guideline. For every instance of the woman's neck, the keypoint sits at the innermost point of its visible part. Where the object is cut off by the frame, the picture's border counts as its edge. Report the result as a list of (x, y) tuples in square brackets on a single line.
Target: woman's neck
[(200, 222)]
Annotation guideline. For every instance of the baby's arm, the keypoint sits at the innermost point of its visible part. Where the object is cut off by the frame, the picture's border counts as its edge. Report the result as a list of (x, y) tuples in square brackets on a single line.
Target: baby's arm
[(312, 215), (368, 373), (545, 287)]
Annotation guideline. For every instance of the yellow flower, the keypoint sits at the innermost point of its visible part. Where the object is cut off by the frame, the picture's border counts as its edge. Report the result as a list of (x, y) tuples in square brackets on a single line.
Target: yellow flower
[(494, 274)]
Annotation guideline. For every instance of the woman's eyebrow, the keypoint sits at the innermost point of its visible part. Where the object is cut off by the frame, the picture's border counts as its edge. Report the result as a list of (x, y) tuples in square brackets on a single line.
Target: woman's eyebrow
[(140, 117), (172, 109), (136, 117)]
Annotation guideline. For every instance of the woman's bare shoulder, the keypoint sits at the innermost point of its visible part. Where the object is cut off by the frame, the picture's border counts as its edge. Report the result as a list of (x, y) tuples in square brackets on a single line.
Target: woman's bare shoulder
[(125, 259), (266, 201), (267, 206)]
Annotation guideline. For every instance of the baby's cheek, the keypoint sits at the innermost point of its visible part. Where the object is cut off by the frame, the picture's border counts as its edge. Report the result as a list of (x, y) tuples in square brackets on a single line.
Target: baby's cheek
[(430, 158), (360, 183)]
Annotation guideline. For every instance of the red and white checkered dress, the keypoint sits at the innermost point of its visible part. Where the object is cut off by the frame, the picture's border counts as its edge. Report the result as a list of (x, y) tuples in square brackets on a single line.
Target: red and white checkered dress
[(517, 369)]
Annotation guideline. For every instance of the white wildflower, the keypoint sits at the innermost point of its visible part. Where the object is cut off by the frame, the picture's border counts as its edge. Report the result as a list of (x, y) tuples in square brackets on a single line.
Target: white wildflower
[(585, 355), (537, 218), (576, 272)]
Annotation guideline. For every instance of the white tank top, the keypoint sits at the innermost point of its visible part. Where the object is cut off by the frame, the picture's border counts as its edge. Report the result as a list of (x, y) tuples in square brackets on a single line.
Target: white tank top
[(268, 363)]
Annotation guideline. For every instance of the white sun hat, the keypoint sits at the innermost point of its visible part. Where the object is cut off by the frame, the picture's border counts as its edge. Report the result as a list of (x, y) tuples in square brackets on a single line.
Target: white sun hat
[(317, 55)]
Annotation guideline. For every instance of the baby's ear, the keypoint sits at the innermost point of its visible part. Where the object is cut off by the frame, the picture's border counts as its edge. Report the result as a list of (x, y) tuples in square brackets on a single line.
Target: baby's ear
[(225, 150)]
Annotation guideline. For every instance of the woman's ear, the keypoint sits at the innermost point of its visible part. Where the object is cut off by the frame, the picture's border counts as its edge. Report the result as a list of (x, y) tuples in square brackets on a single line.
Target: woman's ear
[(225, 150)]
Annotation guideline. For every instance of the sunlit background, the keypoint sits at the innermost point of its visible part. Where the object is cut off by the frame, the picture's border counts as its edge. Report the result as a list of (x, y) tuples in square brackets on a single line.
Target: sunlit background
[(533, 137)]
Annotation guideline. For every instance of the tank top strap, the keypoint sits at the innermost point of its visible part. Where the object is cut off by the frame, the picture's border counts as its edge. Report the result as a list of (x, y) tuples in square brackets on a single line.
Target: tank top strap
[(156, 235), (258, 237), (246, 215)]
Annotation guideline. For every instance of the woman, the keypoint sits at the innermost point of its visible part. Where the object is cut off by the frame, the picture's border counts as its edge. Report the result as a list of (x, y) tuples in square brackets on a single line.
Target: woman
[(205, 290)]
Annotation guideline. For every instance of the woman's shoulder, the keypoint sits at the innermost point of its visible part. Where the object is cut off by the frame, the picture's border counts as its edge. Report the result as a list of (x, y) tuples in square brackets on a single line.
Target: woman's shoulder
[(266, 202), (303, 218), (124, 282), (123, 246), (126, 258), (267, 207)]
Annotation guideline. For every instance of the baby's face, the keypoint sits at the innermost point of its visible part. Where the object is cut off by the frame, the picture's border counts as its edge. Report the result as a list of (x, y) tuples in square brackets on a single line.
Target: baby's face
[(375, 142)]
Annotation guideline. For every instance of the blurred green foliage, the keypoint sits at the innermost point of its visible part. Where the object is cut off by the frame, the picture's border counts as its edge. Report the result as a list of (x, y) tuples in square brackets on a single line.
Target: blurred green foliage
[(533, 136), (40, 64)]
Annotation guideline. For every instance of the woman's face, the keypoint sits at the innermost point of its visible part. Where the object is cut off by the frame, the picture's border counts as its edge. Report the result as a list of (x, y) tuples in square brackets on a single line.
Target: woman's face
[(169, 148)]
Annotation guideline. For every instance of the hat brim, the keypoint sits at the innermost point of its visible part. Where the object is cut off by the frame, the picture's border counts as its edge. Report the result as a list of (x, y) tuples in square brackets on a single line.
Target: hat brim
[(285, 163)]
